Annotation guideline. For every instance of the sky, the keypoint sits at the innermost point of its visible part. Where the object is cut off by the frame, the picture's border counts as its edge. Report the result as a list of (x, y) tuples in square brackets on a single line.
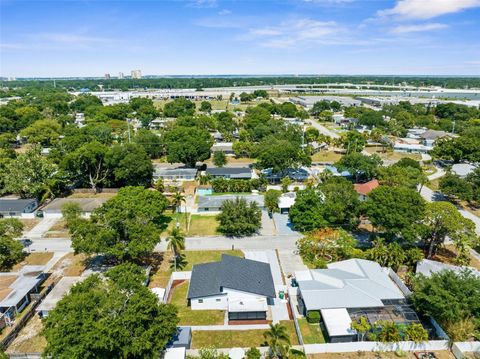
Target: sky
[(202, 37)]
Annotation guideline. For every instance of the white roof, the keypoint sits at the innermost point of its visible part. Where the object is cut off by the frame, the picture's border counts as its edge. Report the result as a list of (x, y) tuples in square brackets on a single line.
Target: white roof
[(427, 267), (174, 353), (353, 283), (463, 169), (58, 292), (287, 200), (248, 305), (337, 321)]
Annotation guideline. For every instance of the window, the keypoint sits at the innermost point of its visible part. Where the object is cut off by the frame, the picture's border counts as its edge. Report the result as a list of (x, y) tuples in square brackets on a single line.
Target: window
[(218, 299), (200, 301)]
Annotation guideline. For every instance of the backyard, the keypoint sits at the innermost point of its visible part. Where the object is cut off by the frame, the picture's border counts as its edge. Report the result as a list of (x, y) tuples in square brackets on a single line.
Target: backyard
[(311, 333), (326, 156), (391, 155), (237, 338), (163, 262), (193, 317)]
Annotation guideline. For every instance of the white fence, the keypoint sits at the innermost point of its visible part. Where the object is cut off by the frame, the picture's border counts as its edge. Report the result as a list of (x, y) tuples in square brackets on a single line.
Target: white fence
[(375, 346), (175, 276), (460, 348)]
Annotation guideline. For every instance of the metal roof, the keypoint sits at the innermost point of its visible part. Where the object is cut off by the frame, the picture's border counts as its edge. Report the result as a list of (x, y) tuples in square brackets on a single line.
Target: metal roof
[(233, 273), (25, 280), (353, 283), (337, 322), (427, 267), (58, 292), (216, 201)]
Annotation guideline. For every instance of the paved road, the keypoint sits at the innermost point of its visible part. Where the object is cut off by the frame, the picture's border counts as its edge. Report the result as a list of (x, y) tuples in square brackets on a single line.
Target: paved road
[(432, 196), (191, 243), (322, 129), (440, 173)]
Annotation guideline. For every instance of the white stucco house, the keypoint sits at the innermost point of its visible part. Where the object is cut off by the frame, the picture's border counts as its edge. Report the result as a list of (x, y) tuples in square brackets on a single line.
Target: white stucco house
[(243, 287)]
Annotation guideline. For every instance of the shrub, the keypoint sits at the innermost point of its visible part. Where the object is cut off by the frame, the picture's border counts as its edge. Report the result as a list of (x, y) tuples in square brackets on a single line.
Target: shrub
[(253, 353), (313, 316)]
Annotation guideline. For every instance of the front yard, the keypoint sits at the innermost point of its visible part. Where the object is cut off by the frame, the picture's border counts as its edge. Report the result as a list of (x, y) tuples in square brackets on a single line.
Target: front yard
[(40, 258), (326, 156), (237, 338), (202, 226), (193, 317)]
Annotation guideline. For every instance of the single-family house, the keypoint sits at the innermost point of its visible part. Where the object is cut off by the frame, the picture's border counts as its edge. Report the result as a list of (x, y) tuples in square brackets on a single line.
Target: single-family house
[(175, 174), (429, 137), (213, 203), (463, 169), (349, 289), (17, 207), (87, 206), (230, 172), (243, 287), (363, 189), (295, 174), (225, 147), (428, 267), (60, 290), (16, 288)]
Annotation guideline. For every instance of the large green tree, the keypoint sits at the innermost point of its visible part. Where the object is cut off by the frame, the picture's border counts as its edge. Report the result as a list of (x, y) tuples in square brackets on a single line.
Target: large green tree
[(307, 212), (279, 155), (11, 250), (150, 142), (126, 227), (187, 145), (43, 132), (129, 165), (442, 221), (239, 217), (111, 317), (395, 210), (362, 167)]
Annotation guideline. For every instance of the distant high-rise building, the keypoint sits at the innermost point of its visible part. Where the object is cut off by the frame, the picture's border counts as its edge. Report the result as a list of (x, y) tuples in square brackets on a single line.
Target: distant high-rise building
[(107, 76), (136, 74), (120, 75)]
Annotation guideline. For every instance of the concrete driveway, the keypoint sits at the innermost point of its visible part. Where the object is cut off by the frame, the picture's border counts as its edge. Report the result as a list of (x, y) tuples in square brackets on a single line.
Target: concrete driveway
[(283, 224), (41, 228), (268, 227)]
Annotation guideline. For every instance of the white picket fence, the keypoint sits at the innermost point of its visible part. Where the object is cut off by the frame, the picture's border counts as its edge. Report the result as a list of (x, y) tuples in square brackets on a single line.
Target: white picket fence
[(460, 348)]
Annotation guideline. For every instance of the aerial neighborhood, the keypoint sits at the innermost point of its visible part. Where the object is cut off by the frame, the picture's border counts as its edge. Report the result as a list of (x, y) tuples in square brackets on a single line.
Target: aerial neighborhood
[(239, 219)]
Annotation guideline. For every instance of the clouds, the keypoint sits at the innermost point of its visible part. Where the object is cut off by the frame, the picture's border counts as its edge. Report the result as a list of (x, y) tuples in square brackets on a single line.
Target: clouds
[(427, 9), (406, 29), (296, 33)]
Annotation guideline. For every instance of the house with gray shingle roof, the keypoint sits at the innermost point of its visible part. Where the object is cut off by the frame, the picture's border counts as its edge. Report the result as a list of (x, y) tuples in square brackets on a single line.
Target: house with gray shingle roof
[(243, 287)]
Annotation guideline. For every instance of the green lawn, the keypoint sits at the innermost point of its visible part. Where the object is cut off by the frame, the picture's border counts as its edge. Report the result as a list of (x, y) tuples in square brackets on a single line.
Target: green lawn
[(326, 156), (203, 225), (194, 317), (161, 276), (236, 338), (216, 104), (311, 333), (391, 155)]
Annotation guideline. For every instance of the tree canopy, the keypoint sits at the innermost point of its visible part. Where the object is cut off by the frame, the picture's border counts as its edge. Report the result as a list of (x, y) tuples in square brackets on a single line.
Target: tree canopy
[(239, 217), (187, 145), (111, 317)]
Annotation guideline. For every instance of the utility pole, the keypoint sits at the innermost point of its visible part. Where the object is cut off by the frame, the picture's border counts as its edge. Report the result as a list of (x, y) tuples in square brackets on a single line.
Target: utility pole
[(128, 126)]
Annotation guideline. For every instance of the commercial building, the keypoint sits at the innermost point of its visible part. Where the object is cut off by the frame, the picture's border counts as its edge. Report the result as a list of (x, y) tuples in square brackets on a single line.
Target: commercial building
[(243, 287), (136, 74)]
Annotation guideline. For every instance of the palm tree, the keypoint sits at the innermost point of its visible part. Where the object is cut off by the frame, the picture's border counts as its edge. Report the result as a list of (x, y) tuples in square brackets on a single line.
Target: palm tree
[(277, 336), (176, 243), (177, 200)]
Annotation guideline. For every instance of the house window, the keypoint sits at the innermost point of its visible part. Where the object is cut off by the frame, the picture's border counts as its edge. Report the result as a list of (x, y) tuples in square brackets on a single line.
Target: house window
[(200, 301), (218, 299)]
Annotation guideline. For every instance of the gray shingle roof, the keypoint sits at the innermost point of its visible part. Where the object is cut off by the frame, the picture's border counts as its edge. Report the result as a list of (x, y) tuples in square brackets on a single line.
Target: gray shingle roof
[(233, 172), (15, 205), (213, 202), (234, 273)]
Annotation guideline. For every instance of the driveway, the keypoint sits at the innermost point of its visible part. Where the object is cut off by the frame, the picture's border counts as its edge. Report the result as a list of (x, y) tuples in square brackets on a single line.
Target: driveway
[(323, 130), (268, 227), (283, 225), (41, 228), (290, 263)]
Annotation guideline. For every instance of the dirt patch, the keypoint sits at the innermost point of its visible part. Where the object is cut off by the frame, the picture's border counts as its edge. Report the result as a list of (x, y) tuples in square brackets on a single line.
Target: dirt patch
[(29, 223), (38, 258), (448, 253), (70, 265)]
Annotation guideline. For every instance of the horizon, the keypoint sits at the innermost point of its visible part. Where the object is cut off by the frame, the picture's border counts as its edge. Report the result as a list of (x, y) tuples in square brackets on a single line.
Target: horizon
[(79, 39)]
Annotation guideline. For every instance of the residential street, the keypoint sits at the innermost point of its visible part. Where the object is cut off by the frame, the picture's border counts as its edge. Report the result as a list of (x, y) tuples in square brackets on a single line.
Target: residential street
[(323, 130)]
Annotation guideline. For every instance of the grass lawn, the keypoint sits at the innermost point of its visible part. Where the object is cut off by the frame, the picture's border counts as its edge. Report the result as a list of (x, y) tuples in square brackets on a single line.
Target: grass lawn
[(326, 156), (29, 223), (434, 184), (162, 272), (39, 258), (392, 156), (203, 225), (194, 317), (29, 339), (311, 333), (216, 104), (236, 338)]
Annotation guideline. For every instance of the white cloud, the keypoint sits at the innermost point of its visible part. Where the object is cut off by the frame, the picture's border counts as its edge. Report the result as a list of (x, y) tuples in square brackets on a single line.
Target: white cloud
[(405, 29), (427, 9), (203, 3), (224, 12), (297, 32), (72, 39)]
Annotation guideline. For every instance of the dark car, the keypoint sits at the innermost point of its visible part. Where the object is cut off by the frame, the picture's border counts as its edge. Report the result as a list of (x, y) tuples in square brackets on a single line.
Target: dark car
[(26, 242)]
